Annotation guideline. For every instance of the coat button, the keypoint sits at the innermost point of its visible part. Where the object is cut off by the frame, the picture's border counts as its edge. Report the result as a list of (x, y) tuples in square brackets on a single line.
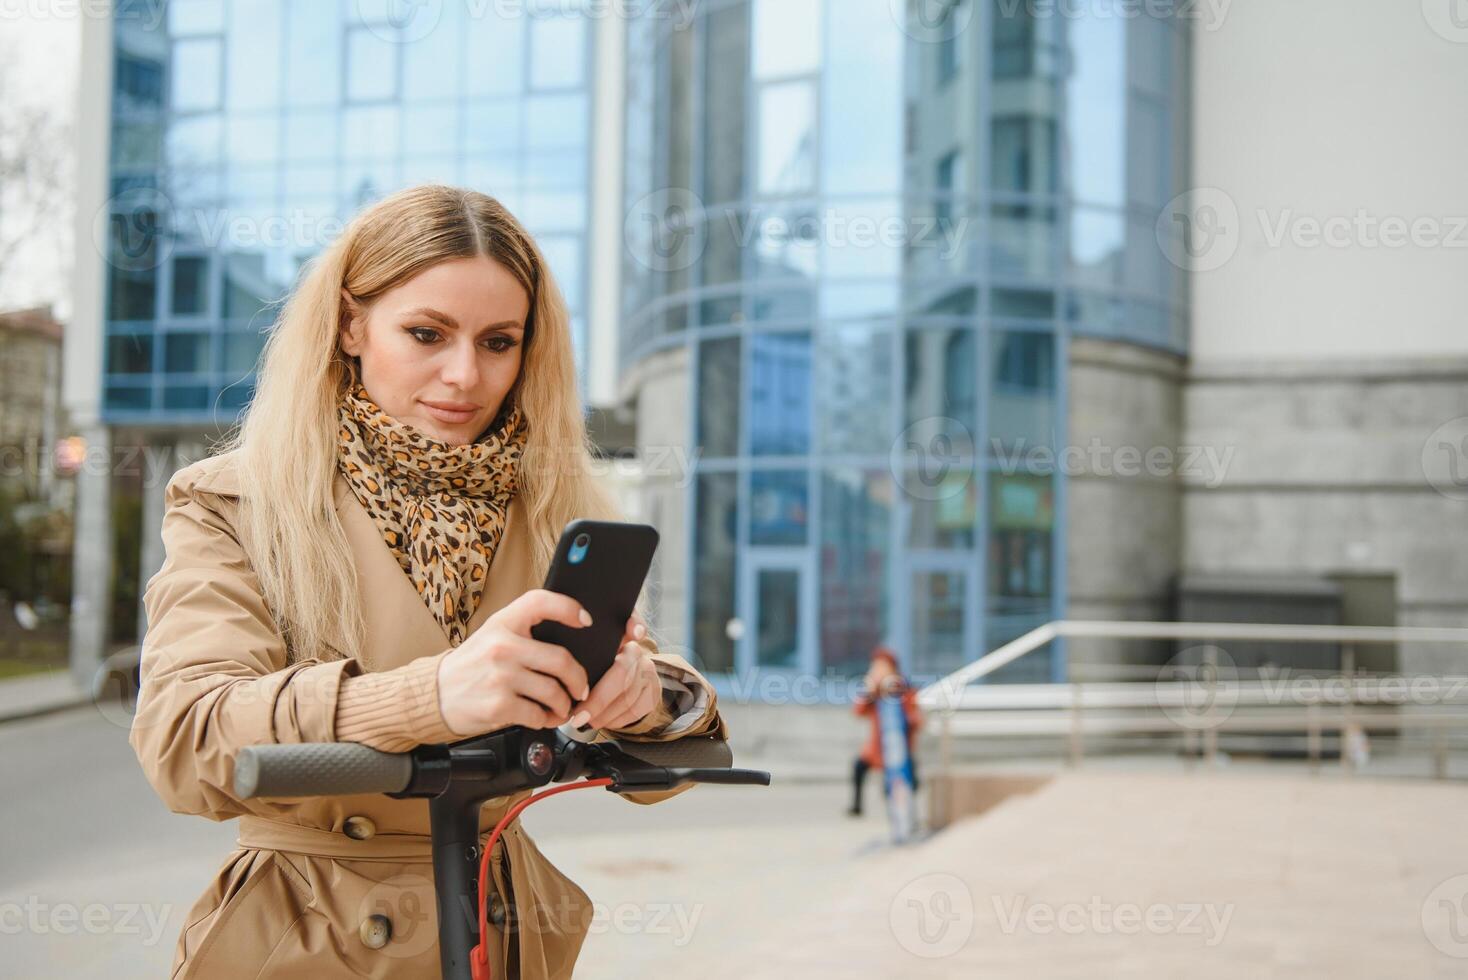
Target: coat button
[(375, 931), (359, 828), (496, 910)]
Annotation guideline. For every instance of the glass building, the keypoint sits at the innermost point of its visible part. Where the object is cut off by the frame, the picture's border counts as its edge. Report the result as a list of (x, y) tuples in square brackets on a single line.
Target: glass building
[(245, 132), (871, 231)]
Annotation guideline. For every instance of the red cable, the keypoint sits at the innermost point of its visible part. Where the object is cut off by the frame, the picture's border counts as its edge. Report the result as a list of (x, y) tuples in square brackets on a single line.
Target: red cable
[(479, 955)]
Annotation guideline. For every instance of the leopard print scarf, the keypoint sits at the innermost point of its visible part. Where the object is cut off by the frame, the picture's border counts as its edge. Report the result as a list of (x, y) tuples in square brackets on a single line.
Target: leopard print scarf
[(441, 508)]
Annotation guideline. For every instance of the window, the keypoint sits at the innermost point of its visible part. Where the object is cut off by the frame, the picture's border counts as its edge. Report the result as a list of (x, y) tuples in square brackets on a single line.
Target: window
[(718, 397), (195, 75), (557, 52), (139, 81), (951, 35), (372, 67), (786, 150), (190, 285), (779, 394), (787, 37), (948, 183)]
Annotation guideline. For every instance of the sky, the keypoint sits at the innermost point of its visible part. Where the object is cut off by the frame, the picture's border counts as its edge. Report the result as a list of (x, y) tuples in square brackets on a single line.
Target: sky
[(39, 44)]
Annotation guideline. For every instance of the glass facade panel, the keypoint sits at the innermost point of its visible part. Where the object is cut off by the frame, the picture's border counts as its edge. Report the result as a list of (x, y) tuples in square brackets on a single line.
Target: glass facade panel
[(719, 372), (856, 514), (1022, 399), (778, 507), (268, 123), (779, 394), (716, 551), (997, 175)]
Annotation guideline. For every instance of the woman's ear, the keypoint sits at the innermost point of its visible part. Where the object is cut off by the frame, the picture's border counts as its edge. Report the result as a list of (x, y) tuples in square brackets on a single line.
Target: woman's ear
[(351, 326)]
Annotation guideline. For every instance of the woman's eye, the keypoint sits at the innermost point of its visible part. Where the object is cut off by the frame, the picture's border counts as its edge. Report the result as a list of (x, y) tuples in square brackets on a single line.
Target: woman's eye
[(425, 335), (499, 344)]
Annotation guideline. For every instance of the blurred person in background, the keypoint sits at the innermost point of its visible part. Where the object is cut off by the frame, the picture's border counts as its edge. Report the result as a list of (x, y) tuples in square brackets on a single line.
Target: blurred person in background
[(328, 578), (883, 679)]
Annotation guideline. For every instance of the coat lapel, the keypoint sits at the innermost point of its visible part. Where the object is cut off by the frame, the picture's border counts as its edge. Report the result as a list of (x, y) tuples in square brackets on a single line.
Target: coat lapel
[(399, 627)]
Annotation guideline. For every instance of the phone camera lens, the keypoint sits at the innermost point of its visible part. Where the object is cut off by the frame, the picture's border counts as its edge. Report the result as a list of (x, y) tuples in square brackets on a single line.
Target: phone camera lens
[(582, 540)]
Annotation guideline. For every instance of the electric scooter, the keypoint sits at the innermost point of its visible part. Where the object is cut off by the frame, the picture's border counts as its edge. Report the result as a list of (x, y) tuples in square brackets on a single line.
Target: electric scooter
[(457, 779)]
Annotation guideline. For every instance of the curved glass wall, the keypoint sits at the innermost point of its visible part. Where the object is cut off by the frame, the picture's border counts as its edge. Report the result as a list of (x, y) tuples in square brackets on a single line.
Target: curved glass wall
[(876, 228), (246, 132)]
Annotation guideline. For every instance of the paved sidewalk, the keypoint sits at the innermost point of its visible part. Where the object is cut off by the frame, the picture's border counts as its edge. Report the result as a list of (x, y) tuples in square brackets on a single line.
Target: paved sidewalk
[(37, 694), (1152, 875)]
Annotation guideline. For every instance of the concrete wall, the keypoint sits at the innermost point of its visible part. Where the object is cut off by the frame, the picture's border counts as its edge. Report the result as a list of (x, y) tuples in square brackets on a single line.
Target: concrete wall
[(1332, 364), (1326, 109), (1125, 527), (660, 385)]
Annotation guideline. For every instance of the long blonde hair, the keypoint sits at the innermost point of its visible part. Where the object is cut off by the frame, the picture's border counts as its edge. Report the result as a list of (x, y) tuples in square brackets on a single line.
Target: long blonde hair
[(286, 442)]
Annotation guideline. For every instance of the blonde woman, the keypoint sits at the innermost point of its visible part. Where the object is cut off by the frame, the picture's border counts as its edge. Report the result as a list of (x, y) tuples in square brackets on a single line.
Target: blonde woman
[(362, 564)]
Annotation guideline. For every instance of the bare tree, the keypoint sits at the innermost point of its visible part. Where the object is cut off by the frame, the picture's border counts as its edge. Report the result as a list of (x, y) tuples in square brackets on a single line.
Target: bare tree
[(35, 174)]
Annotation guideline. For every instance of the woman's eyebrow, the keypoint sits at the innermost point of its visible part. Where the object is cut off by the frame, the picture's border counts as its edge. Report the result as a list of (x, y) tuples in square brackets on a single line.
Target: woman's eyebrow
[(452, 324)]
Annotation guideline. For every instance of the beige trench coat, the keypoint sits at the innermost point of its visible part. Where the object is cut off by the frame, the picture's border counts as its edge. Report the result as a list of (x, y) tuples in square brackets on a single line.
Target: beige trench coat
[(291, 900)]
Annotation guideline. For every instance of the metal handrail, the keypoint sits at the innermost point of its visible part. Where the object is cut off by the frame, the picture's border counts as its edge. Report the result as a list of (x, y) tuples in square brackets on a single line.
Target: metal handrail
[(951, 694)]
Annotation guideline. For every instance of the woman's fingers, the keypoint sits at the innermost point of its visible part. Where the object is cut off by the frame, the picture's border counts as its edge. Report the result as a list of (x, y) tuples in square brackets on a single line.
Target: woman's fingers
[(556, 661), (546, 691), (540, 605), (636, 628), (607, 690)]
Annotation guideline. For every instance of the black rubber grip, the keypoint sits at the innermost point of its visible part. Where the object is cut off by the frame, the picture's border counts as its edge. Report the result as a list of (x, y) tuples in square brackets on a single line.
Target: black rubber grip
[(694, 752), (318, 769)]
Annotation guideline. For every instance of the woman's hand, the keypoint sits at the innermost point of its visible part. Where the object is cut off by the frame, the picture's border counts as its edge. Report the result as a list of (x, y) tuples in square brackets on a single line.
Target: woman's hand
[(500, 676), (628, 690)]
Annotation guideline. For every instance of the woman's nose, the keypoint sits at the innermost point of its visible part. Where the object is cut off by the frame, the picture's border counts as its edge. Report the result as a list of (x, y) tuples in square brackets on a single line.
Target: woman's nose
[(461, 368)]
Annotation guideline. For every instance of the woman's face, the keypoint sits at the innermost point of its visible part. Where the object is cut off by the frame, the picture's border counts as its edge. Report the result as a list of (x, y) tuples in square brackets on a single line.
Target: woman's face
[(441, 351)]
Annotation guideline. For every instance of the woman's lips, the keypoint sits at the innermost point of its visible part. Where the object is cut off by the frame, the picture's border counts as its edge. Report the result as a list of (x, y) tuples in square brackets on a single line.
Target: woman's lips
[(452, 413)]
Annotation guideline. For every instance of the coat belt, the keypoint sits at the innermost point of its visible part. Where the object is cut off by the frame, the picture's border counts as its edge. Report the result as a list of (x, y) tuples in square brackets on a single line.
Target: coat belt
[(274, 835)]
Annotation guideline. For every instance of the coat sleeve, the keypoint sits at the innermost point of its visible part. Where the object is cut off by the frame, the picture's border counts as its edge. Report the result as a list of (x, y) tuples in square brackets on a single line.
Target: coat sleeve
[(214, 671), (689, 706)]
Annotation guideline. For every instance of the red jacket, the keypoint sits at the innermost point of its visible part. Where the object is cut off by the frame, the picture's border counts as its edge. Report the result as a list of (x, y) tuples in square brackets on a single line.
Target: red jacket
[(865, 706)]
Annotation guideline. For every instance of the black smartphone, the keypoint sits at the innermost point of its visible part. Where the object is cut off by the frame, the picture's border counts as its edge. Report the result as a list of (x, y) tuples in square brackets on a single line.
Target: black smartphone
[(602, 565)]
